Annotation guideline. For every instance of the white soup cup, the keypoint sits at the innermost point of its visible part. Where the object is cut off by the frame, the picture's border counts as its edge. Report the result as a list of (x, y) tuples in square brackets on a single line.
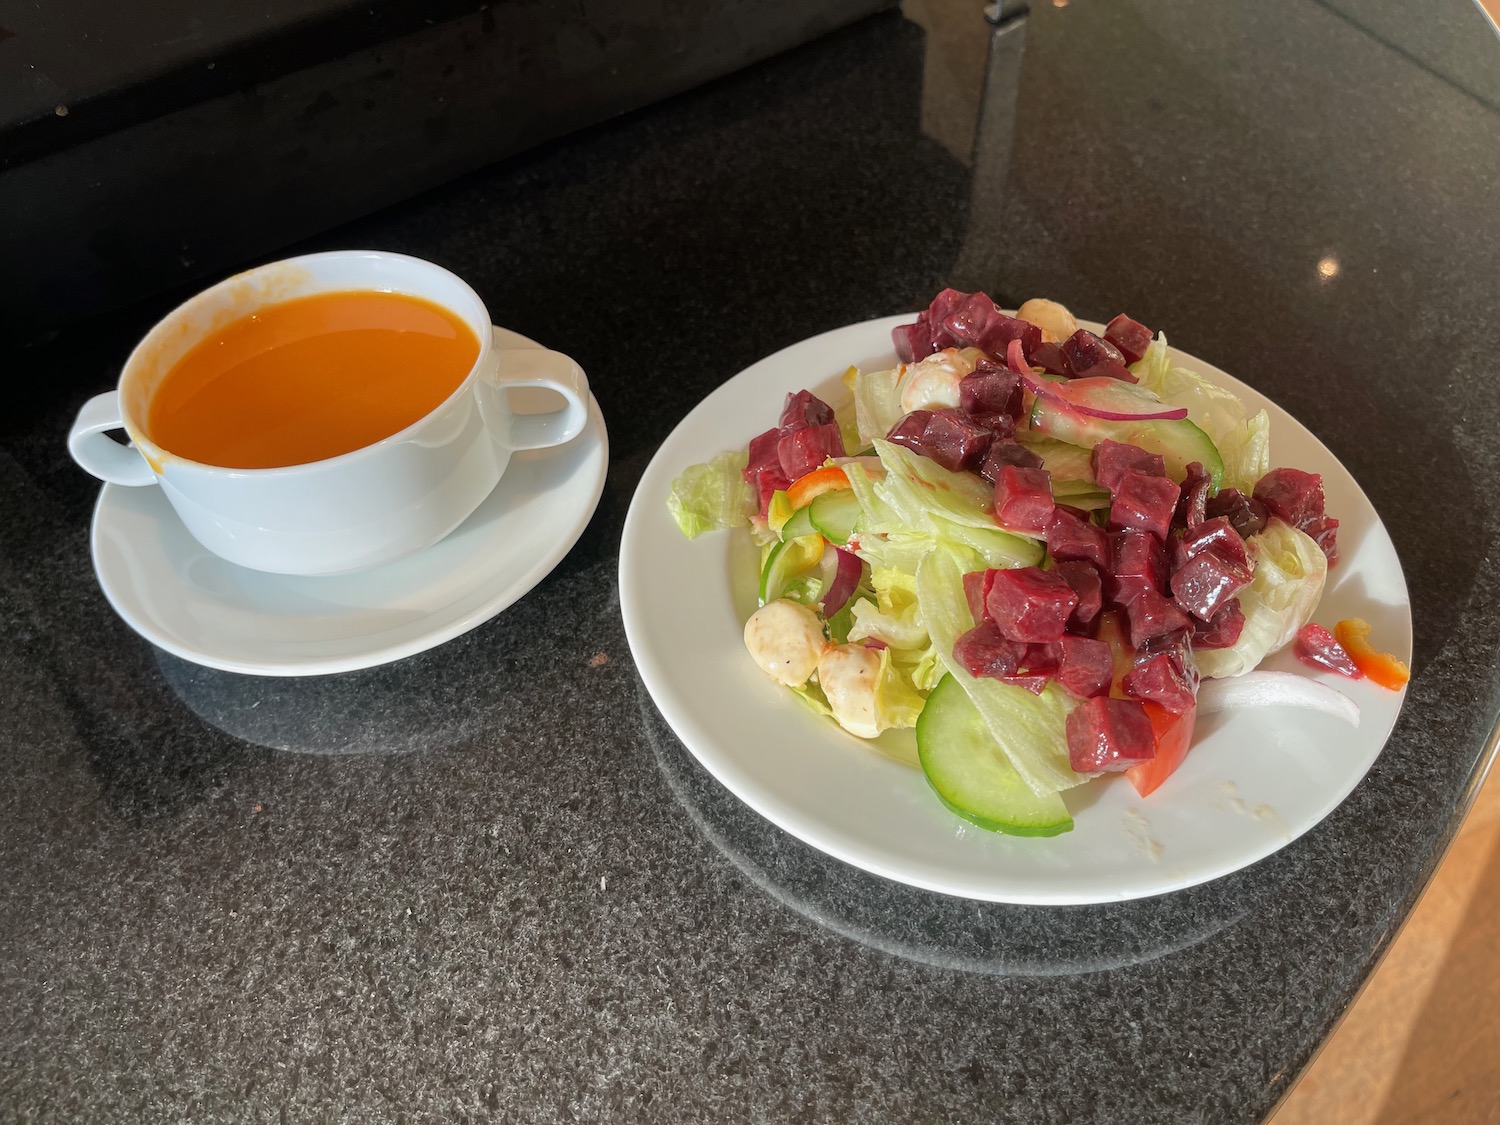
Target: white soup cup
[(361, 509)]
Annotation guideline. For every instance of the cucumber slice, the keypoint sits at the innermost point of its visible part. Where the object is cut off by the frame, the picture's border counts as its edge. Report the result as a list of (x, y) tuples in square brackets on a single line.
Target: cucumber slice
[(788, 560), (1178, 441), (835, 514), (1080, 494), (972, 776), (798, 524), (1063, 461)]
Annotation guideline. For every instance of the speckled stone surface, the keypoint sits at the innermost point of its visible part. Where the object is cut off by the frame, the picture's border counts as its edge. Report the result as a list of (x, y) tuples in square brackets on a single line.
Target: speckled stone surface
[(495, 888)]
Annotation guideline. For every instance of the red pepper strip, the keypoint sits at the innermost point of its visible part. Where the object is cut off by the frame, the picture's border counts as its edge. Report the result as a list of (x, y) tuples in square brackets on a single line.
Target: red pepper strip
[(1174, 737)]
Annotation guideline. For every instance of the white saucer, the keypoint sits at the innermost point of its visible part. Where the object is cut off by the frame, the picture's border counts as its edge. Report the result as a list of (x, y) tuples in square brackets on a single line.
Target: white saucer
[(192, 603)]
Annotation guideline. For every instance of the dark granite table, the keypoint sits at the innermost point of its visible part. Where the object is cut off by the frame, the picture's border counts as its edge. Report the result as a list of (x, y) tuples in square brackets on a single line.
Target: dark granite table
[(492, 886)]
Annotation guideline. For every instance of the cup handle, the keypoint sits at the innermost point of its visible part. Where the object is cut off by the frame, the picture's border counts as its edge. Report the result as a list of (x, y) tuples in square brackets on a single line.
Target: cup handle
[(100, 454), (537, 367)]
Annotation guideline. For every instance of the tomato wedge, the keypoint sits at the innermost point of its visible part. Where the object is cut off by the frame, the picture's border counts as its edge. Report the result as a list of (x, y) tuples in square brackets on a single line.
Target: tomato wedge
[(809, 486), (1174, 737), (1382, 667)]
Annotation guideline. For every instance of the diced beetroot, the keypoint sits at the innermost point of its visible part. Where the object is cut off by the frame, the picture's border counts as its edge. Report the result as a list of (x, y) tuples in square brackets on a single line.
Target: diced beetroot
[(1179, 646), (1002, 426), (1023, 499), (1297, 497), (1087, 666), (959, 320), (763, 452), (1207, 582), (1050, 358), (768, 481), (1216, 536), (1143, 503), (1224, 630), (1324, 533), (1069, 536), (1149, 616), (1138, 561), (1196, 489), (1130, 336), (1090, 357), (1038, 666), (919, 340), (949, 437), (1030, 604), (1002, 329), (1292, 495), (974, 319), (968, 318), (1248, 516), (985, 653), (1109, 734), (1041, 660), (913, 341), (804, 450), (1086, 583), (763, 468), (1085, 345), (908, 432), (976, 589), (1113, 459), (804, 409), (1160, 680), (1034, 684), (1003, 453), (955, 441), (990, 389), (1319, 648)]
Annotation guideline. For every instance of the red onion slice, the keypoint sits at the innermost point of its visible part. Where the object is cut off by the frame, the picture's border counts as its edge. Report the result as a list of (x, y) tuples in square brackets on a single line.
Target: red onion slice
[(1015, 358), (845, 579), (1103, 397)]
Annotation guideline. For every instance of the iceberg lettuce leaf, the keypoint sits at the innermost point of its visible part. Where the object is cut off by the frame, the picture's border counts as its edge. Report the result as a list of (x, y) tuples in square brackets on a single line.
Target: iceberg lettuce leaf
[(1244, 442), (877, 403), (712, 495), (893, 618), (1290, 570), (897, 701), (916, 488), (846, 414), (876, 517), (812, 695)]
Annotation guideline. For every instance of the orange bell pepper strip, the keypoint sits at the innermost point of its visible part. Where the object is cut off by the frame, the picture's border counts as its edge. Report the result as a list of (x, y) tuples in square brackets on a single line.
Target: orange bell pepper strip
[(809, 486), (1382, 667)]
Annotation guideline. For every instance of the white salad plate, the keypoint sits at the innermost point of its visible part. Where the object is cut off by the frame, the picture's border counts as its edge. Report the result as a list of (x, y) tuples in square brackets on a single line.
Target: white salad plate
[(1254, 781), (188, 601)]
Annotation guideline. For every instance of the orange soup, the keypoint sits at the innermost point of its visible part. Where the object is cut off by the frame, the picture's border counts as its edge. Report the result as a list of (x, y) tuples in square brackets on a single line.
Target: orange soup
[(310, 379)]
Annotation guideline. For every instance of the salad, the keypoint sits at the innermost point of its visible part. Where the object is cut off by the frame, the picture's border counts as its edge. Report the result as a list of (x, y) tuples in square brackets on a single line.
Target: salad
[(1047, 550)]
